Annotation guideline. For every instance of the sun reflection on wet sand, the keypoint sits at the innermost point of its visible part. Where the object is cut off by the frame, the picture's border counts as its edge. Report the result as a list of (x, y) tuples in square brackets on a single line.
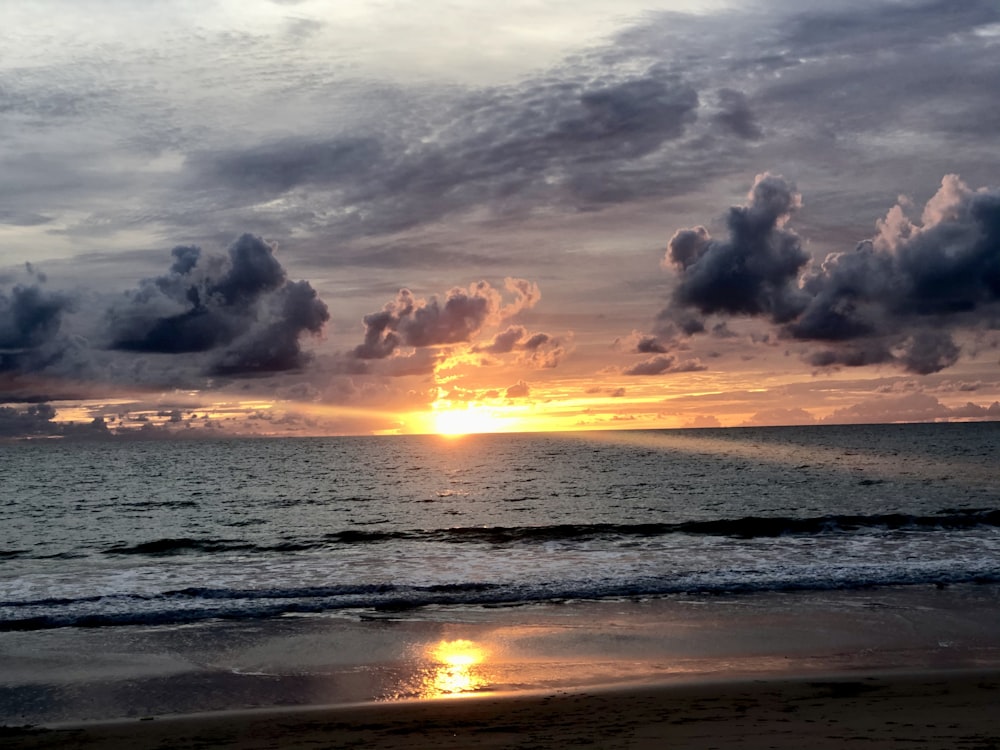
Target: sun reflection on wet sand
[(447, 669), (457, 668)]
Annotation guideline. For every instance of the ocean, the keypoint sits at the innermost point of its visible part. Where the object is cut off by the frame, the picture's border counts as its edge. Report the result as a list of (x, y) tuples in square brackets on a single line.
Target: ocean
[(102, 534), (103, 542)]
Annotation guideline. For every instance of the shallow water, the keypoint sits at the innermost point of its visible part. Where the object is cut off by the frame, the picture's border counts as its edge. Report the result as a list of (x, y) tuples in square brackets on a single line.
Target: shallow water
[(75, 674)]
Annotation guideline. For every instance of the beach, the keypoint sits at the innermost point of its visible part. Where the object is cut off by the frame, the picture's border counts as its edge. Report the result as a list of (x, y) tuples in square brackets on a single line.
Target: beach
[(881, 668), (927, 710)]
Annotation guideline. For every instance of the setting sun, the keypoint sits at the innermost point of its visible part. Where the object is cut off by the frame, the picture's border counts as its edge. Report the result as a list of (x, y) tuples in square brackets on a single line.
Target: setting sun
[(470, 420)]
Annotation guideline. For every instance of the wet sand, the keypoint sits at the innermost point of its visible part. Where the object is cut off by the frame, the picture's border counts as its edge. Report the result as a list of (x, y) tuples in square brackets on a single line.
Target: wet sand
[(880, 668), (936, 709)]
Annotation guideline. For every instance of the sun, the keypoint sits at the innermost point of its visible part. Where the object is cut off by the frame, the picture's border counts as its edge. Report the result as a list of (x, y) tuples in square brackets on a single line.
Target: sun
[(467, 421)]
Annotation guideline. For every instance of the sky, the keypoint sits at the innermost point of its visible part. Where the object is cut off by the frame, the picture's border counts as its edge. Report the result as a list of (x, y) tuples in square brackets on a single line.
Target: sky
[(295, 217)]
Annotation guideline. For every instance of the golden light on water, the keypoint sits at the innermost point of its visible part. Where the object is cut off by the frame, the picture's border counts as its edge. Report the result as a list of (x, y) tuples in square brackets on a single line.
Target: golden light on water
[(457, 668)]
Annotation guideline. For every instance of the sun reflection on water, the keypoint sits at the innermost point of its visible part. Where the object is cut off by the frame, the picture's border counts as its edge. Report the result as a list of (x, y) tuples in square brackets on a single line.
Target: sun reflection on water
[(445, 670), (456, 668)]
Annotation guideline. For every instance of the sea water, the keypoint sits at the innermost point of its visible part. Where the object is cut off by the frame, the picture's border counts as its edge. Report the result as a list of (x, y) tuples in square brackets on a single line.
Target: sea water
[(123, 559), (179, 531)]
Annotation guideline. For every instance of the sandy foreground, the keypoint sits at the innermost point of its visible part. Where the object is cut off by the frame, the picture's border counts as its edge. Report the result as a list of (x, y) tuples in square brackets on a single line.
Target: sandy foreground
[(928, 710), (883, 668)]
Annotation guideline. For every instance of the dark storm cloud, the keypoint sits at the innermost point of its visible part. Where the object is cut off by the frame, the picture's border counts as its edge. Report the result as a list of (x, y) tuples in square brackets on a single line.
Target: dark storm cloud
[(30, 316), (901, 294), (32, 420), (31, 320), (272, 345), (408, 321), (253, 271), (754, 271), (897, 298), (242, 308), (37, 421)]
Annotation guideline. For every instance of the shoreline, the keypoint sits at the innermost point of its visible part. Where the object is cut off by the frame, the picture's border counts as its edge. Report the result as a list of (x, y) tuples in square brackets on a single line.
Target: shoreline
[(73, 675), (929, 708)]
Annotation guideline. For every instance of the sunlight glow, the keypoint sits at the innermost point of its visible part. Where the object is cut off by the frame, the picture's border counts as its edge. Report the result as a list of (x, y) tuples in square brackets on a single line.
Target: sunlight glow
[(456, 671), (470, 420)]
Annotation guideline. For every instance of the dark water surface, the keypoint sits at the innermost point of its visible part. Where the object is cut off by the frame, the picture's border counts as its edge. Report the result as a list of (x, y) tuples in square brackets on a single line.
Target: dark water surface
[(171, 532)]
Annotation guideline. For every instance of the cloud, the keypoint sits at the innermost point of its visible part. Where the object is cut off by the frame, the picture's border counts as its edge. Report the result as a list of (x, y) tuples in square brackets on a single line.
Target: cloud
[(702, 421), (505, 341), (241, 309), (519, 390), (276, 167), (735, 115), (754, 271), (33, 420), (31, 319), (845, 59), (879, 26), (662, 364), (25, 219), (779, 416), (897, 298), (552, 139), (570, 137), (638, 342), (37, 420), (537, 350), (913, 407), (652, 110), (418, 323), (900, 294), (272, 344)]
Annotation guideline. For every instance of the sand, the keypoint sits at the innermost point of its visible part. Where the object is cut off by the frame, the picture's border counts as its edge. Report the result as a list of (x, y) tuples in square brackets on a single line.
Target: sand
[(915, 667), (934, 709)]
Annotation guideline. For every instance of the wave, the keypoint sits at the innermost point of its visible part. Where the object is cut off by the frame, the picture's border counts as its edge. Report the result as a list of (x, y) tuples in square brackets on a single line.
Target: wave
[(199, 604), (747, 527), (175, 546)]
